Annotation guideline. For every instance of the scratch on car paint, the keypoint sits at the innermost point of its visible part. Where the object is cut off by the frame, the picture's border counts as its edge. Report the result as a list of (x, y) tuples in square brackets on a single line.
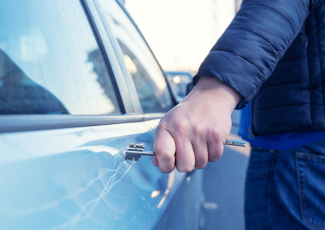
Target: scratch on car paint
[(78, 217), (54, 204), (87, 209)]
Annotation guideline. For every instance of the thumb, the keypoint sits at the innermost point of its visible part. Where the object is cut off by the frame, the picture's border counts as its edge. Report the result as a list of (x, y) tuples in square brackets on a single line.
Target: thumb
[(165, 149)]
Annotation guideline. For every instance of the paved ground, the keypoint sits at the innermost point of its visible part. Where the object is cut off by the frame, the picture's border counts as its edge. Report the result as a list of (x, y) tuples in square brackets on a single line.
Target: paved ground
[(224, 191), (224, 186)]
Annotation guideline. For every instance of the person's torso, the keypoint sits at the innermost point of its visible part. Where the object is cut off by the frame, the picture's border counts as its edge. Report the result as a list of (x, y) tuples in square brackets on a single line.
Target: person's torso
[(292, 99)]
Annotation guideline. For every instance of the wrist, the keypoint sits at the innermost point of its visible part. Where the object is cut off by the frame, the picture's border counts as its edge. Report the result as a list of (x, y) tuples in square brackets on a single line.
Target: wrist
[(214, 89)]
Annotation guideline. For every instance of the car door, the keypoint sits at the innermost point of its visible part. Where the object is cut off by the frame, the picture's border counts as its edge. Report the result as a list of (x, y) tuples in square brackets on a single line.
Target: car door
[(69, 109)]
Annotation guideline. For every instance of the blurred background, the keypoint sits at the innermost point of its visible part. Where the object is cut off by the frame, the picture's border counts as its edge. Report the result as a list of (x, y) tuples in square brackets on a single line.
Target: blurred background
[(182, 32)]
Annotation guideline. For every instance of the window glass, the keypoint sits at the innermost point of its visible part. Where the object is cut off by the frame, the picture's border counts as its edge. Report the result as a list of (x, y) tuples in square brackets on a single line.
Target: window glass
[(50, 62), (147, 76), (179, 82)]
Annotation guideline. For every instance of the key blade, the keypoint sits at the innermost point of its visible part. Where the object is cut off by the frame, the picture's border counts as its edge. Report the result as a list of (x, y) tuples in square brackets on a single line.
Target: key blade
[(132, 157), (235, 142), (135, 155), (142, 153)]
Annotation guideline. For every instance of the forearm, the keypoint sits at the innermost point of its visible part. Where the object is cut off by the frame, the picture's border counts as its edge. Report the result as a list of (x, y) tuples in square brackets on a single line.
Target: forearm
[(249, 50), (213, 89)]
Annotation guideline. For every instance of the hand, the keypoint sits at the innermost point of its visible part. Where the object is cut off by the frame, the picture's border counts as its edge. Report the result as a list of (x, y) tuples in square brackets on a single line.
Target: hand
[(196, 128)]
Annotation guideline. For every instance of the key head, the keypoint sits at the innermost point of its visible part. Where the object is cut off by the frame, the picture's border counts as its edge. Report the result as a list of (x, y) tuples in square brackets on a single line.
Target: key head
[(137, 147)]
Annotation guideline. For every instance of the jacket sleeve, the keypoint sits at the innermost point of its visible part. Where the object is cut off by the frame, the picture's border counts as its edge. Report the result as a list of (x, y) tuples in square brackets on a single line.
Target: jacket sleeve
[(249, 50)]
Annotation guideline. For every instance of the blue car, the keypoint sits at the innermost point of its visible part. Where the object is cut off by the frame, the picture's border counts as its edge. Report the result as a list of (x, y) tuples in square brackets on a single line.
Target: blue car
[(78, 84)]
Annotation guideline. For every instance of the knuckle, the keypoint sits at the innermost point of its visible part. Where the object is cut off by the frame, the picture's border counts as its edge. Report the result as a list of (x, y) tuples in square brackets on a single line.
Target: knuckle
[(182, 127), (198, 130), (215, 135), (162, 126)]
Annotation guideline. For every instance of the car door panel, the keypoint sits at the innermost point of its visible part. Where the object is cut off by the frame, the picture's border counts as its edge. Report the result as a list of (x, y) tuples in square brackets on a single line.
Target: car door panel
[(77, 178), (184, 208)]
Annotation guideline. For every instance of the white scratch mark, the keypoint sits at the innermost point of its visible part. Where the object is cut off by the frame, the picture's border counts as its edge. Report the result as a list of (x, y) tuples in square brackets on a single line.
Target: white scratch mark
[(54, 204), (78, 217)]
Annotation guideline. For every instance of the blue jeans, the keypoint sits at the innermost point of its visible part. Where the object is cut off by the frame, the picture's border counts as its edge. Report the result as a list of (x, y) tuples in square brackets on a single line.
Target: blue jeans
[(285, 189)]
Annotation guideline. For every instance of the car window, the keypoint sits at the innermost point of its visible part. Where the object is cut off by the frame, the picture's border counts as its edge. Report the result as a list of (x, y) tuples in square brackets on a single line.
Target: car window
[(179, 81), (148, 78), (50, 62)]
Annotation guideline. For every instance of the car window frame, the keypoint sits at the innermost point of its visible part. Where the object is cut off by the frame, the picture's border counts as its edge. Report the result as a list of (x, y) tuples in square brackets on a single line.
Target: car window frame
[(124, 81), (147, 44), (120, 58)]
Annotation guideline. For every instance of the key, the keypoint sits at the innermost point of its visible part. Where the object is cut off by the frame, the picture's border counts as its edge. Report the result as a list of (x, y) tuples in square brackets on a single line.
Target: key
[(136, 155), (235, 142), (135, 151)]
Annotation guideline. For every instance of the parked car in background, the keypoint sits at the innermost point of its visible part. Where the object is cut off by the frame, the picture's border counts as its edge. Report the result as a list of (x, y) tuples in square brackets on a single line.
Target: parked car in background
[(78, 84), (179, 81)]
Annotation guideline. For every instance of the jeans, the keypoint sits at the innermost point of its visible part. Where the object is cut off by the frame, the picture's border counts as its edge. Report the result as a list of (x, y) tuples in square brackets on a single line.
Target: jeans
[(285, 189)]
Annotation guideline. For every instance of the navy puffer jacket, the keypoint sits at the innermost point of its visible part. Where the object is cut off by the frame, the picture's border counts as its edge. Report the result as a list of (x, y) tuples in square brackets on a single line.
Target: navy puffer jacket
[(274, 52)]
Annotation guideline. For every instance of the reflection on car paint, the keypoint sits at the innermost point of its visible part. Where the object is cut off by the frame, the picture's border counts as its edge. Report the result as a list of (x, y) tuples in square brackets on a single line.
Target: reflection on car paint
[(82, 183), (169, 186)]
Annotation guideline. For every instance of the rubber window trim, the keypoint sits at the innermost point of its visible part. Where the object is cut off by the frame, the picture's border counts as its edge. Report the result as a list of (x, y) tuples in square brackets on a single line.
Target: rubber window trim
[(24, 123)]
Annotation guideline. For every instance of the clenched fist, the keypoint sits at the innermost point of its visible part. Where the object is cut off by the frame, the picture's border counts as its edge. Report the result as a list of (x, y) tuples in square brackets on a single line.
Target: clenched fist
[(194, 132)]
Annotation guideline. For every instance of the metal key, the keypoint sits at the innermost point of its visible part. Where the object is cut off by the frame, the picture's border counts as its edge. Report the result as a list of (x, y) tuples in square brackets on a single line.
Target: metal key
[(235, 142), (135, 151)]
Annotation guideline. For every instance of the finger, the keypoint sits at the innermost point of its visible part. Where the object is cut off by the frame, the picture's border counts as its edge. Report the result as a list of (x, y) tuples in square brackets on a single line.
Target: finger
[(201, 154), (185, 158), (164, 148), (215, 149)]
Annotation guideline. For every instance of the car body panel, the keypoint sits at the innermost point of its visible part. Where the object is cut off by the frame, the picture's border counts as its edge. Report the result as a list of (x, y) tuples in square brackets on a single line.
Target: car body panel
[(77, 178)]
